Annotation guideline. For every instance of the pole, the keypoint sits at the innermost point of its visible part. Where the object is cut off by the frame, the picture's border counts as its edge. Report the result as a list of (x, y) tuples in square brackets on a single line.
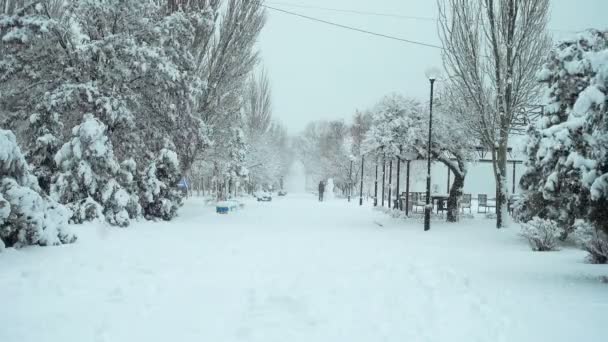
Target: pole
[(376, 185), (427, 208), (361, 189), (407, 189), (350, 180), (449, 173), (399, 206), (513, 192), (390, 183), (383, 178)]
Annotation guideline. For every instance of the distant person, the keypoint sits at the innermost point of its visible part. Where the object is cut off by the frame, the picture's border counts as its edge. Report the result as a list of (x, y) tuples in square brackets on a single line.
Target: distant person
[(321, 190)]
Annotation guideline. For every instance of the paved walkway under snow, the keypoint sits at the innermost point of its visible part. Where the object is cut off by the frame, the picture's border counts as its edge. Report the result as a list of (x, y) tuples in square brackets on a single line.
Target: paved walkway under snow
[(298, 270)]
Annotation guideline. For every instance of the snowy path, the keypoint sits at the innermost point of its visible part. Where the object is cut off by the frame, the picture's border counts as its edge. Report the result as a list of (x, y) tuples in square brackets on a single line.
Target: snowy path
[(297, 270)]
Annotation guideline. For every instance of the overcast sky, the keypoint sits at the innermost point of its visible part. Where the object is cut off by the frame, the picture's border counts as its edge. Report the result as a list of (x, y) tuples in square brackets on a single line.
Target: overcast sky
[(324, 72)]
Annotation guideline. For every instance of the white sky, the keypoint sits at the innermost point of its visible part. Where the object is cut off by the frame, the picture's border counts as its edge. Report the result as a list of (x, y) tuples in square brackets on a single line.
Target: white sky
[(324, 72)]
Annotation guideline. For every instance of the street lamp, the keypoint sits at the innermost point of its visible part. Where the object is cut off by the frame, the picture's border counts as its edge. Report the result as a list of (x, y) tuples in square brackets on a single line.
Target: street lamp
[(361, 189), (409, 156), (432, 74)]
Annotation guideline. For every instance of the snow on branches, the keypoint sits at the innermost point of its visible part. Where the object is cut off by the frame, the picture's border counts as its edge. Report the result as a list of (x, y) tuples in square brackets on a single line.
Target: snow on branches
[(87, 181), (543, 235), (568, 163), (27, 216), (160, 198)]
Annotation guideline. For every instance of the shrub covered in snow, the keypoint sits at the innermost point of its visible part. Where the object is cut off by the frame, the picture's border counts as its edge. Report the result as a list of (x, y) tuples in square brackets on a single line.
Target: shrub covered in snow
[(128, 171), (593, 241), (160, 197), (27, 216), (543, 235), (567, 164), (87, 181)]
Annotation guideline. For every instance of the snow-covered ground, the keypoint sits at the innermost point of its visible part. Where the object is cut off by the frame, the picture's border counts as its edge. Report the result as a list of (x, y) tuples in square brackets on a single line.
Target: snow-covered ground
[(298, 270)]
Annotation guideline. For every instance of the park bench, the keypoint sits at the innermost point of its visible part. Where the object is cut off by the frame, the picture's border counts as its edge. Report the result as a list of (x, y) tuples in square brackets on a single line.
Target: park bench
[(225, 207)]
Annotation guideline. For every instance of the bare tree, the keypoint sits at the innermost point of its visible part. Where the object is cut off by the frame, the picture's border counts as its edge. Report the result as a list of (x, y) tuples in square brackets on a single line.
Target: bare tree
[(230, 56), (493, 49), (258, 105), (225, 55)]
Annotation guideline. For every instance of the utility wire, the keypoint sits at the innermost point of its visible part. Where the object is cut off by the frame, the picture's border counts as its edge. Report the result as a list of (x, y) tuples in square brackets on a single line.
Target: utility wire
[(353, 28), (379, 14)]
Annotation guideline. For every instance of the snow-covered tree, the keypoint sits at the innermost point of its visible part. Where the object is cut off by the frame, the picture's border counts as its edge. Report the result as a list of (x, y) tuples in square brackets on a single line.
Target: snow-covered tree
[(267, 156), (258, 105), (325, 148), (155, 73), (393, 126), (135, 73), (160, 196), (45, 132), (88, 179), (237, 154), (452, 146), (224, 62), (399, 127), (27, 215), (263, 162), (127, 177), (491, 51), (593, 240), (567, 169)]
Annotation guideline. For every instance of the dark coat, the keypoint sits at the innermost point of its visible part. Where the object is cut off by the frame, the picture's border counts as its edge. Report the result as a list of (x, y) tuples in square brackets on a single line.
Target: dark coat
[(321, 186)]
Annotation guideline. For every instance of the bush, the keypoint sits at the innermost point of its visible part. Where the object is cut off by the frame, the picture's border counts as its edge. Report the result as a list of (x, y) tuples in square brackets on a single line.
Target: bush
[(543, 235), (87, 182), (160, 197), (27, 215), (594, 241)]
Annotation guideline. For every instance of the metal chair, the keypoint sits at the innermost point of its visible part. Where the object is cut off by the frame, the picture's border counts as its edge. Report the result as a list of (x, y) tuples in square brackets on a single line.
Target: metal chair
[(466, 202), (442, 205), (420, 201), (482, 202), (491, 204)]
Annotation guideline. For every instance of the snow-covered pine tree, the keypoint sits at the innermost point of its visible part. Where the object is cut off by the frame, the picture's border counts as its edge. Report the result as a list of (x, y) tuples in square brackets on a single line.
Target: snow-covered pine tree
[(160, 196), (88, 179), (568, 166), (27, 216), (44, 133), (128, 179), (32, 63), (129, 71)]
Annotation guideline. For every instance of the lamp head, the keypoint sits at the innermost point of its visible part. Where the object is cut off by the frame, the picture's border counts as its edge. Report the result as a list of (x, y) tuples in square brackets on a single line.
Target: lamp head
[(432, 73)]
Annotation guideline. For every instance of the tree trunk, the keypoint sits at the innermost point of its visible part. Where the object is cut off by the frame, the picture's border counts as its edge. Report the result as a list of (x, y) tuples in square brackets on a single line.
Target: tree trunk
[(456, 190), (501, 186), (454, 199)]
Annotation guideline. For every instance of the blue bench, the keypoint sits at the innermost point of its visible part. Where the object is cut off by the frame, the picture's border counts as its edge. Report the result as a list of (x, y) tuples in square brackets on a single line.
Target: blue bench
[(227, 206)]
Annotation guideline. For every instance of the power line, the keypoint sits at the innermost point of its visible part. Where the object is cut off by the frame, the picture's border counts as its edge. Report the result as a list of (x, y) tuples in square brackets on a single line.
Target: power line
[(353, 28), (379, 14)]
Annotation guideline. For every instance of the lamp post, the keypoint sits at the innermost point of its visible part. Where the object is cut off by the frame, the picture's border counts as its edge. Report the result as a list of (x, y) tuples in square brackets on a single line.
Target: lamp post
[(361, 189), (411, 155), (350, 179), (376, 185), (432, 74)]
